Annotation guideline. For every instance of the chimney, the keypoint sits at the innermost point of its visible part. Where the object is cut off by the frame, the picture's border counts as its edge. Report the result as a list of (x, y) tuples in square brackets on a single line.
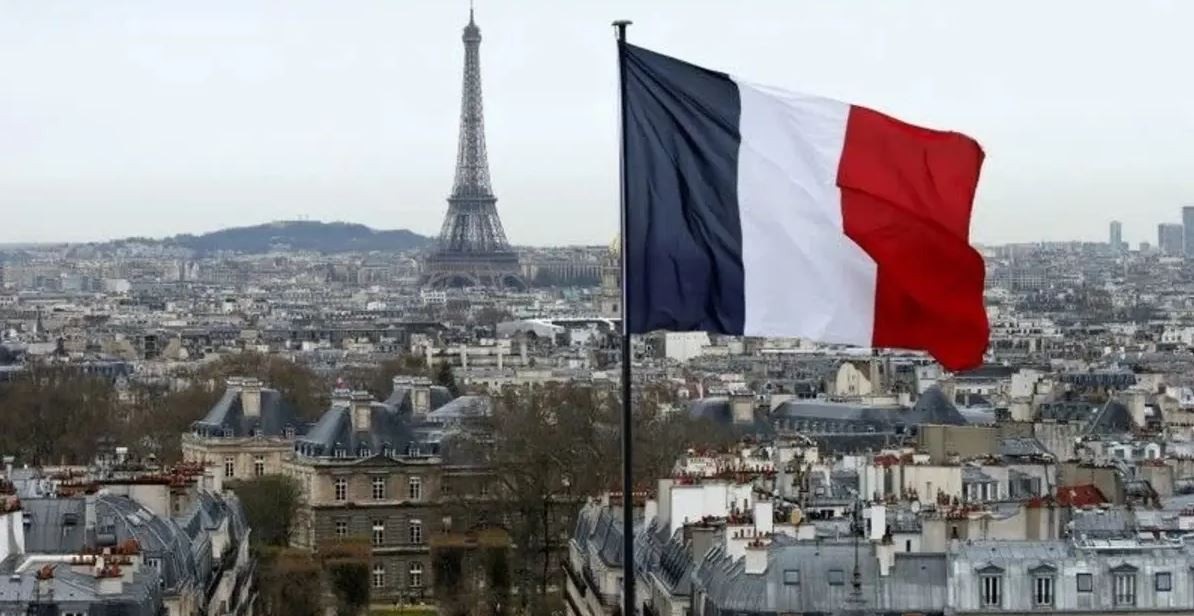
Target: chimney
[(756, 559), (663, 494), (1136, 401), (89, 517), (420, 395), (764, 515), (8, 462), (361, 408), (703, 538), (250, 397), (650, 510), (742, 407), (400, 383)]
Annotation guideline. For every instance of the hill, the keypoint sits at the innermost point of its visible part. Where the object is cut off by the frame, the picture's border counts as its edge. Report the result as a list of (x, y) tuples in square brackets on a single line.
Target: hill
[(297, 235)]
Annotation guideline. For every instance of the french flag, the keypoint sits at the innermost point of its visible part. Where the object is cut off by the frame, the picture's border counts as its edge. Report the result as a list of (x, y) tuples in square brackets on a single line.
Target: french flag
[(755, 211)]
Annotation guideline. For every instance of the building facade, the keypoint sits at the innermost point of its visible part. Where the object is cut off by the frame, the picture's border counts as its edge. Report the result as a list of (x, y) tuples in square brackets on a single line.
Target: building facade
[(248, 433)]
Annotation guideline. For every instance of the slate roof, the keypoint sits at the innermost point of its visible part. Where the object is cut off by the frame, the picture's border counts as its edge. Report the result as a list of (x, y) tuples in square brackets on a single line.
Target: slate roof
[(77, 592), (933, 407), (57, 526), (1066, 410), (597, 528), (731, 589), (1020, 447), (389, 429), (1113, 418), (401, 397), (227, 416), (461, 409), (717, 410)]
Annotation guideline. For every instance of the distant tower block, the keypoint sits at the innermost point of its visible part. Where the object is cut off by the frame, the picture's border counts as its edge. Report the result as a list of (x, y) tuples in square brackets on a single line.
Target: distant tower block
[(472, 249)]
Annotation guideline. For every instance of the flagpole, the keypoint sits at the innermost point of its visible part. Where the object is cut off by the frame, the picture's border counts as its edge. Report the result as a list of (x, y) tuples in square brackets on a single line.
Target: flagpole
[(628, 602)]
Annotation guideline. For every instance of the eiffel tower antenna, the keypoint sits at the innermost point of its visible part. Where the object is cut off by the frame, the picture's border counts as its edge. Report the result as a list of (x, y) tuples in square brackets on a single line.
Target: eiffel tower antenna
[(472, 249)]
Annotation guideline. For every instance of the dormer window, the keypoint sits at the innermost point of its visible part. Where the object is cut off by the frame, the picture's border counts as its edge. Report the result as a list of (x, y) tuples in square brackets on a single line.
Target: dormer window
[(341, 452), (990, 586), (365, 452), (227, 432), (288, 432)]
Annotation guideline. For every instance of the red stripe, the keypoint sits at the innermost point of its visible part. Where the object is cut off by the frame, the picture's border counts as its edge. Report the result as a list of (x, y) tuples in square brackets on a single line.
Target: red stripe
[(907, 193)]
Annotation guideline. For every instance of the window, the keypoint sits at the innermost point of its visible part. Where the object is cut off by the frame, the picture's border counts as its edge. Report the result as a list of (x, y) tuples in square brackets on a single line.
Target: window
[(991, 590), (415, 488), (1042, 590), (907, 545), (837, 577), (229, 466), (416, 532), (379, 576), (288, 432), (379, 488), (1124, 589), (416, 575), (341, 452), (258, 466), (154, 563), (341, 490), (1163, 581), (341, 529), (1085, 582), (379, 532), (792, 577)]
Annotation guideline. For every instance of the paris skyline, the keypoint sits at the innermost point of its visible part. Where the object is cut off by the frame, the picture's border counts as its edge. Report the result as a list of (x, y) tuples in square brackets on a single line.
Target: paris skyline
[(140, 119)]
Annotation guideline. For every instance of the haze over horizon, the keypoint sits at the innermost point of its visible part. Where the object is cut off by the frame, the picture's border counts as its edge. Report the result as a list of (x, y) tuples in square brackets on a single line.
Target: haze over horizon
[(134, 118)]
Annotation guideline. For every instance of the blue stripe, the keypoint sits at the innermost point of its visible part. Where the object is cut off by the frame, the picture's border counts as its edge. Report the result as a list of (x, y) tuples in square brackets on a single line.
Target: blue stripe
[(684, 238)]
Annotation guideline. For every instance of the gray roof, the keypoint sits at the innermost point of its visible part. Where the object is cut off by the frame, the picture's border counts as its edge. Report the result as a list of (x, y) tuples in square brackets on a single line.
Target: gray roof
[(1001, 553), (599, 529), (74, 591), (227, 416), (389, 428), (821, 565), (401, 397), (1019, 447), (462, 408), (933, 407), (1113, 418), (58, 526), (717, 410), (1067, 410)]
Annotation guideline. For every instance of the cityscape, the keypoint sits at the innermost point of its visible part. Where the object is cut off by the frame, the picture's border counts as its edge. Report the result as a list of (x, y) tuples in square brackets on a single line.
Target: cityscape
[(302, 417)]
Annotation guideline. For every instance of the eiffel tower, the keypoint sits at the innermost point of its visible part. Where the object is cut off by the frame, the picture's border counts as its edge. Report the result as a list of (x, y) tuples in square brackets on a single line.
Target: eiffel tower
[(472, 249)]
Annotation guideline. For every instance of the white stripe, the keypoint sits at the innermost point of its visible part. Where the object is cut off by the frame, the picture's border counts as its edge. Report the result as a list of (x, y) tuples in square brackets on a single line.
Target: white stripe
[(803, 277)]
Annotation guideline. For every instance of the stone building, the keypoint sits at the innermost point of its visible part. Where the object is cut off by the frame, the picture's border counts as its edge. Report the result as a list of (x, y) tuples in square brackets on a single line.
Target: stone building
[(248, 433)]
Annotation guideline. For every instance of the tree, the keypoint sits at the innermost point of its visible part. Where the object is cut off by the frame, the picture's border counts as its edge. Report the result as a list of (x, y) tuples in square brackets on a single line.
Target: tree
[(54, 415), (445, 377), (154, 418), (271, 505), (346, 565), (290, 583), (379, 380), (296, 382), (490, 316)]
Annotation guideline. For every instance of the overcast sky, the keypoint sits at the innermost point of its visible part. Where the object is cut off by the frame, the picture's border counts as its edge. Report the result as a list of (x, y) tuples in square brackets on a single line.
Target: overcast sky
[(157, 117)]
